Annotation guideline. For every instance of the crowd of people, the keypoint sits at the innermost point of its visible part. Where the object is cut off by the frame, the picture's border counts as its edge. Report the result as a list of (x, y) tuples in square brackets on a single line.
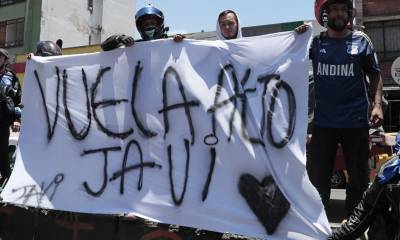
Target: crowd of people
[(342, 115)]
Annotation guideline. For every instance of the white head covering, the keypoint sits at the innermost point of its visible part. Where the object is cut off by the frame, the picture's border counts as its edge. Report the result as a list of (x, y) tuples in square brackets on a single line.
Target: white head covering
[(219, 33)]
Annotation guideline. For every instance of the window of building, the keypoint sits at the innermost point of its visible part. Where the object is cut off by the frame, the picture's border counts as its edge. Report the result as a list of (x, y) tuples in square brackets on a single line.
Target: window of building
[(9, 2), (385, 35), (12, 33)]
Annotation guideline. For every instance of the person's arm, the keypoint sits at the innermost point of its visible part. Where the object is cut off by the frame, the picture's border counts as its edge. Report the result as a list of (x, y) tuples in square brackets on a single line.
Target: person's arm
[(116, 41), (29, 56), (16, 125), (371, 67), (17, 87), (178, 37), (301, 29), (376, 82)]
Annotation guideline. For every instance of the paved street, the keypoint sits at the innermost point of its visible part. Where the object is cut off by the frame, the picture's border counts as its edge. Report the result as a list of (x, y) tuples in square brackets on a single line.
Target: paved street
[(336, 209)]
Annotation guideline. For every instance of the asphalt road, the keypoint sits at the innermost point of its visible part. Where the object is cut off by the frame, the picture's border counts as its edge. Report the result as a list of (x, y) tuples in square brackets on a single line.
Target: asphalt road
[(336, 209)]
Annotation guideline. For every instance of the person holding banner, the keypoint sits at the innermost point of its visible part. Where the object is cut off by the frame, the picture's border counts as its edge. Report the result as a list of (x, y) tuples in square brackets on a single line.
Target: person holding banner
[(150, 24), (10, 114), (45, 49), (341, 60), (228, 26)]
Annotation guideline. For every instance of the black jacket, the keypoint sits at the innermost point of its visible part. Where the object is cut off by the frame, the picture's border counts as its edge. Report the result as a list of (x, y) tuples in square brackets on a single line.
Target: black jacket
[(378, 210), (9, 88)]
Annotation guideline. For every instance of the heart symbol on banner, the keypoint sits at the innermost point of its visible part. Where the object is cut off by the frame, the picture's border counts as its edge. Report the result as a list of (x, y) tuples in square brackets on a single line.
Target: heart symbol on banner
[(265, 199)]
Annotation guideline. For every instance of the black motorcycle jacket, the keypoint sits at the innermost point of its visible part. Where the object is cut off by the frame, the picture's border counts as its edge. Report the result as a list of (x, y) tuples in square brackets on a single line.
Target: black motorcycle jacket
[(378, 210), (10, 93)]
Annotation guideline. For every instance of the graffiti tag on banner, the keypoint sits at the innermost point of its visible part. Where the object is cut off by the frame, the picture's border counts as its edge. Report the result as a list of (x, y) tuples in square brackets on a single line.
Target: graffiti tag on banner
[(182, 133)]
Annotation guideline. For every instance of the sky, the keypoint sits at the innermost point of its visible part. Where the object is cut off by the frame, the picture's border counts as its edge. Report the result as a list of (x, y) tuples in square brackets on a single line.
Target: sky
[(188, 16)]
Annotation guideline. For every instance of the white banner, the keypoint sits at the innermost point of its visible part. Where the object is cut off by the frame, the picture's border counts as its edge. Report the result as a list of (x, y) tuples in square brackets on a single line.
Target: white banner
[(192, 133)]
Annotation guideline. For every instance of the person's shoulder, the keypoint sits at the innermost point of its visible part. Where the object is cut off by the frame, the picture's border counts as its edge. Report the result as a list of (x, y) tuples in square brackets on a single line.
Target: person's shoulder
[(362, 35), (322, 35), (317, 40), (13, 75), (10, 72)]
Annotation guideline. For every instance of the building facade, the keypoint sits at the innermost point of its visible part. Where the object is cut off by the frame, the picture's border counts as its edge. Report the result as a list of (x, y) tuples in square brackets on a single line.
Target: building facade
[(381, 21), (77, 22)]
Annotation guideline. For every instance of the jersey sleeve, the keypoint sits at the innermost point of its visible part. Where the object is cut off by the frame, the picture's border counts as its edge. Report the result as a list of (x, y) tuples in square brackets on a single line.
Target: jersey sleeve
[(370, 58)]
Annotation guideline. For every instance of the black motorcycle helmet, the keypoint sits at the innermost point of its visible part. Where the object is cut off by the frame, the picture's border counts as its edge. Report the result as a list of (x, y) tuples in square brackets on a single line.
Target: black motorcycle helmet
[(153, 32), (47, 49)]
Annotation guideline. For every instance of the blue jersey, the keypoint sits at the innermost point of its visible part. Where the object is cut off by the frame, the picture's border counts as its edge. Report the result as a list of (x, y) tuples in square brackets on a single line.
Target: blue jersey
[(339, 67)]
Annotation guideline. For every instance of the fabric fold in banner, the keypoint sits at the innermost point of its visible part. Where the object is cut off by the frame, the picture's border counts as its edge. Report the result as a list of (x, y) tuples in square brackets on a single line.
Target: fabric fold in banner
[(165, 130)]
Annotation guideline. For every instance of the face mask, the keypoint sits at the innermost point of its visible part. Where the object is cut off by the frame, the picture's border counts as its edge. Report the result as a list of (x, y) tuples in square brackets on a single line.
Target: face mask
[(150, 32)]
